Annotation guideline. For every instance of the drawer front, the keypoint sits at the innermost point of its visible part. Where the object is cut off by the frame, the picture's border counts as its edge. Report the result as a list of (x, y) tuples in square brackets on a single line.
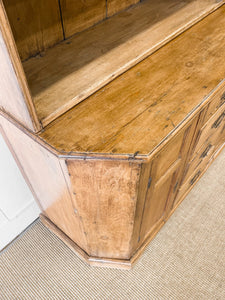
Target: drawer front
[(211, 137), (198, 166), (197, 172), (190, 182), (204, 153), (218, 99), (185, 187), (201, 158), (214, 128)]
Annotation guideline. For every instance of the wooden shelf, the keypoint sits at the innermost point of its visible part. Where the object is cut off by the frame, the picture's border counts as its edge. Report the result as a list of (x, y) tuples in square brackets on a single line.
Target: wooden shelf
[(110, 170), (69, 72), (138, 109)]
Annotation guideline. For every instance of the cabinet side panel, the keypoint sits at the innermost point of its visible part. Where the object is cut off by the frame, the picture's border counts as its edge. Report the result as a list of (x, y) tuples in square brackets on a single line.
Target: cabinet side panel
[(43, 173), (11, 97), (15, 98), (106, 194)]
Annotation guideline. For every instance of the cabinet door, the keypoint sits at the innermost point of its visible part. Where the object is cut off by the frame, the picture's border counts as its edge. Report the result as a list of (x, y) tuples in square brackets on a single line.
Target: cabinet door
[(164, 179), (157, 197)]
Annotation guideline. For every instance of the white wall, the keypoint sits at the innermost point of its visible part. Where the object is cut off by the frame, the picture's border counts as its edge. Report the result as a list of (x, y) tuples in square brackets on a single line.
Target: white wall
[(17, 206)]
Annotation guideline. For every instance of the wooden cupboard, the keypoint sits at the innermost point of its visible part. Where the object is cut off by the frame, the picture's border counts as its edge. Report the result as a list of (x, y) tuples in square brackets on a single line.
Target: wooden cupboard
[(113, 110)]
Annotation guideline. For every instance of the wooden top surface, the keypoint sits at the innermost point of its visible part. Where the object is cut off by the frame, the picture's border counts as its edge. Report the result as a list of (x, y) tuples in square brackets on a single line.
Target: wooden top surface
[(136, 111), (76, 68)]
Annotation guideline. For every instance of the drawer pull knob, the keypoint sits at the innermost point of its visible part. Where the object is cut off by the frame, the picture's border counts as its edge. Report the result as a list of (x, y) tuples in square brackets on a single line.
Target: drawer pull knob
[(217, 123), (205, 152), (195, 178)]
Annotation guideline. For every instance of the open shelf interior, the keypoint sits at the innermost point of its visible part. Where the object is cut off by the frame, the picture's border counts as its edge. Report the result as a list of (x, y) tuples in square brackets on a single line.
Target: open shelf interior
[(67, 58), (137, 110)]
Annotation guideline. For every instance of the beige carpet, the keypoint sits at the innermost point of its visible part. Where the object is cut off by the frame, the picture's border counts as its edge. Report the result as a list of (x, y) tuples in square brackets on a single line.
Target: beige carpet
[(186, 260)]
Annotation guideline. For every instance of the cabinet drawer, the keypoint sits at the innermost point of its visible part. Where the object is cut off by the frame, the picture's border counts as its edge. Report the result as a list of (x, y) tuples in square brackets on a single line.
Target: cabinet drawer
[(204, 153), (188, 183), (200, 159), (214, 127), (218, 99), (185, 187)]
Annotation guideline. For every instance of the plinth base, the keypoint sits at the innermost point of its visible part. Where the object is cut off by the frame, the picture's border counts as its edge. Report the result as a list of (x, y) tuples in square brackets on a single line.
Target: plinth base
[(96, 261)]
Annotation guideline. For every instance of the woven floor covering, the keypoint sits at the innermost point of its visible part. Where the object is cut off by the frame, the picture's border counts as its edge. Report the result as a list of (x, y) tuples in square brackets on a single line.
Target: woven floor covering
[(186, 260)]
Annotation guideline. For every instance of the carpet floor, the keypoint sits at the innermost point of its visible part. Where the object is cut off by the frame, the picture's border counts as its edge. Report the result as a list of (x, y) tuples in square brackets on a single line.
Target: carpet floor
[(186, 260)]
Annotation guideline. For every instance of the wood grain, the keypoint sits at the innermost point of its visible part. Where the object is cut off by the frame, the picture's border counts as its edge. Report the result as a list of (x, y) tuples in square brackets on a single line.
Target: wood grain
[(217, 100), (187, 134), (42, 171), (76, 68), (143, 184), (11, 98), (162, 180), (207, 142), (79, 15), (106, 196), (115, 6), (212, 128), (110, 205), (15, 95), (102, 178), (188, 185), (141, 107), (36, 25)]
